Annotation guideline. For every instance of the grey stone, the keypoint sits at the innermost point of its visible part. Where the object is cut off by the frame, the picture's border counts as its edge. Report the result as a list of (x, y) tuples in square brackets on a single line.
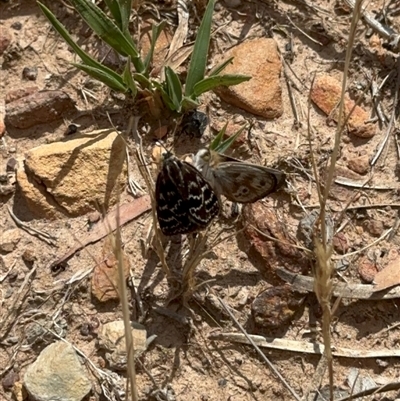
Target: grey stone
[(57, 375)]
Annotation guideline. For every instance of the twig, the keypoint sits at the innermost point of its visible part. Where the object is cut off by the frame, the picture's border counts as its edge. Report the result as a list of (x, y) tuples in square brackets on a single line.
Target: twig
[(385, 234), (32, 231), (392, 119), (384, 31), (374, 390), (262, 355), (4, 276), (375, 92), (13, 309), (297, 122), (307, 36), (375, 206), (123, 296)]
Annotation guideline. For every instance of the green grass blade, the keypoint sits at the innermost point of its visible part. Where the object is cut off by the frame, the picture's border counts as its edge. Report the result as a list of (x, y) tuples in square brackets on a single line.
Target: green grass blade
[(128, 79), (198, 61), (224, 146), (114, 8), (218, 139), (86, 58), (164, 95), (219, 68), (218, 80), (143, 81), (155, 34), (99, 74), (125, 7), (189, 104), (174, 88), (105, 28)]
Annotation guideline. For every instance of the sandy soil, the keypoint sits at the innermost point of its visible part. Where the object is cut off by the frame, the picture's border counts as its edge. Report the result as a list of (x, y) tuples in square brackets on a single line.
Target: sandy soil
[(184, 357)]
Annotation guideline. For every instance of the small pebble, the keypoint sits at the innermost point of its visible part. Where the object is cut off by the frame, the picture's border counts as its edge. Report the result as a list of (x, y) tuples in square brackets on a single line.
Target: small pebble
[(381, 363), (340, 244), (12, 164), (71, 129), (367, 270), (16, 25), (374, 227), (29, 256), (9, 379), (30, 73), (93, 217)]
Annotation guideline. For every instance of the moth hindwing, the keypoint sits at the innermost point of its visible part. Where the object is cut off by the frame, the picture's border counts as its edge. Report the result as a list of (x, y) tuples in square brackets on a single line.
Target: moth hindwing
[(185, 201), (238, 181)]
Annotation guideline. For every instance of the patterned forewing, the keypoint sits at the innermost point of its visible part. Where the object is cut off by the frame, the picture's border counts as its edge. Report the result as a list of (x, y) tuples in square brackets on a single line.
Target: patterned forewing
[(202, 202), (185, 201), (171, 214), (246, 183)]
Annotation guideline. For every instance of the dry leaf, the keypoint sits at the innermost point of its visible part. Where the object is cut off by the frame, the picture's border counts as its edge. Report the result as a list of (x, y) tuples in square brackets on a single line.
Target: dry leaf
[(127, 212), (389, 276)]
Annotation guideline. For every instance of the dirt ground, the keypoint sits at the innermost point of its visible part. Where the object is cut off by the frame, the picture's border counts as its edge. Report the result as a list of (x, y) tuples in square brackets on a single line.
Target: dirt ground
[(183, 357)]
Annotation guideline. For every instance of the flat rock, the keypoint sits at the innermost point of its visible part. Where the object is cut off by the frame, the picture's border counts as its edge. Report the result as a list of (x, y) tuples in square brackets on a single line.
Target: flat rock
[(276, 306), (274, 253), (262, 95), (112, 339), (325, 93), (38, 108), (57, 374), (105, 275), (72, 177)]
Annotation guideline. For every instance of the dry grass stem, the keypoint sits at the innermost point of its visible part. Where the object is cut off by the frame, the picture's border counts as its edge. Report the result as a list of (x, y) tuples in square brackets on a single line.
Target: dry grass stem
[(123, 296), (324, 268)]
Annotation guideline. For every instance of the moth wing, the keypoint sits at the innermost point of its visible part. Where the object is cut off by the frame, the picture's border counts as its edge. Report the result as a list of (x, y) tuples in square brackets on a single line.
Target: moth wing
[(185, 201), (172, 215), (244, 182), (201, 201)]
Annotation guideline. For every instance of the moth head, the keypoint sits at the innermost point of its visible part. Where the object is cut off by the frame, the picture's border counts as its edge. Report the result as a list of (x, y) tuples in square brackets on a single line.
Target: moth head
[(201, 158)]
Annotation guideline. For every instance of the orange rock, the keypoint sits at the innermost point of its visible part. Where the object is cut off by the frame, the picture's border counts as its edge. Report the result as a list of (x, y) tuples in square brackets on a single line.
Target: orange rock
[(262, 94), (325, 93)]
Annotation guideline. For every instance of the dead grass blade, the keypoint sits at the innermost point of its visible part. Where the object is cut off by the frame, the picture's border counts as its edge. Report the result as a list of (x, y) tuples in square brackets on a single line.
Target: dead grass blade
[(344, 290), (123, 296), (303, 346), (375, 390)]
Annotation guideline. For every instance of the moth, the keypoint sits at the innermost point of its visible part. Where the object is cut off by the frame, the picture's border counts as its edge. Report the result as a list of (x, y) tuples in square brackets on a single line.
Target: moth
[(185, 201), (238, 181)]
